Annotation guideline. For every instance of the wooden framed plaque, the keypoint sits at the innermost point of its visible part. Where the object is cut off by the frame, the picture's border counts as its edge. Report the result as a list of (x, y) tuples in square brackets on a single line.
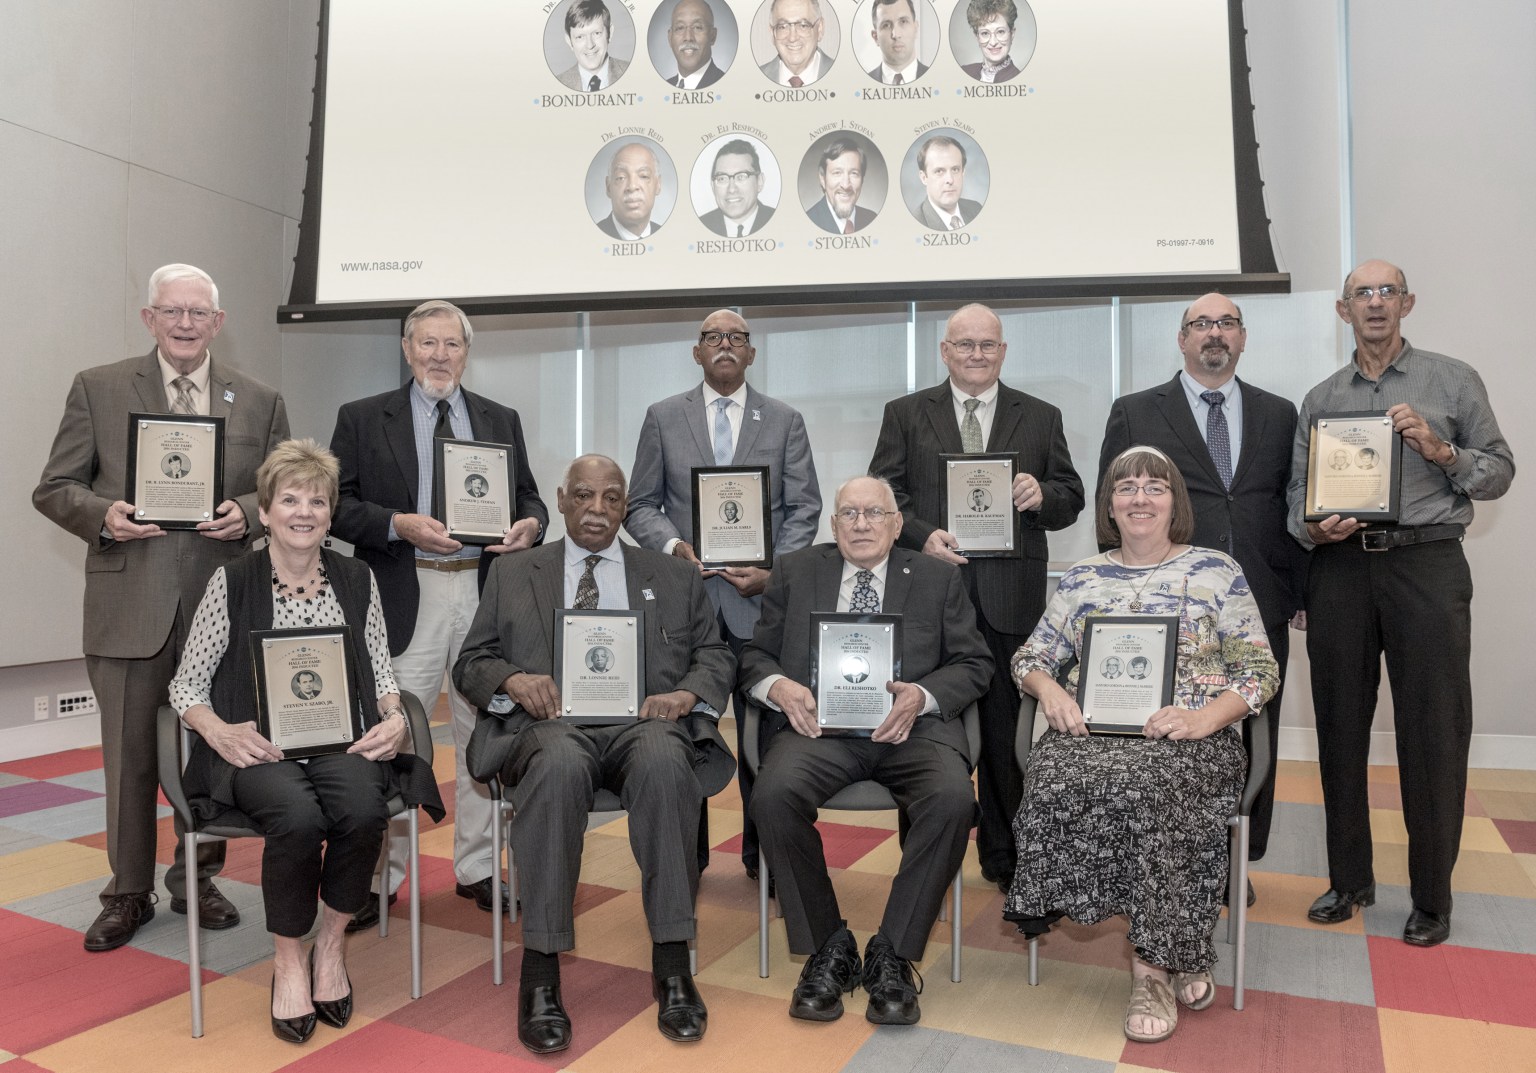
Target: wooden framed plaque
[(853, 657), (474, 489), (600, 665), (304, 700), (732, 516), (175, 469), (1353, 467), (1126, 671), (978, 504)]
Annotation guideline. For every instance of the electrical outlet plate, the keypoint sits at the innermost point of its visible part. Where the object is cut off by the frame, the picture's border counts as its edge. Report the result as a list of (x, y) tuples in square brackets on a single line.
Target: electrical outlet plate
[(81, 703), (40, 708)]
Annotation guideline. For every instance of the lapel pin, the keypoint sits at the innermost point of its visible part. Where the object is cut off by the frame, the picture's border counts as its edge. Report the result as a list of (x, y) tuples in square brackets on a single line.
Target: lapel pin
[(757, 415), (229, 396), (648, 594), (906, 569)]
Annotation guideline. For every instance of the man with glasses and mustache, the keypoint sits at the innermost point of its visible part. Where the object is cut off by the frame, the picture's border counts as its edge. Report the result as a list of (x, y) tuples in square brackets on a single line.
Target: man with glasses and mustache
[(737, 182), (142, 582), (973, 412), (724, 421), (797, 28), (1402, 590), (919, 751), (1232, 442)]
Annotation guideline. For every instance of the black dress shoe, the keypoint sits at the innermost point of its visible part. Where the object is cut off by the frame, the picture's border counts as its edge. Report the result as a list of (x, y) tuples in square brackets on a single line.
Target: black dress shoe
[(888, 979), (119, 918), (214, 911), (334, 1012), (680, 1012), (481, 892), (1252, 896), (292, 1029), (829, 974), (1337, 906), (1427, 929), (542, 1023), (1002, 878), (773, 883), (368, 916)]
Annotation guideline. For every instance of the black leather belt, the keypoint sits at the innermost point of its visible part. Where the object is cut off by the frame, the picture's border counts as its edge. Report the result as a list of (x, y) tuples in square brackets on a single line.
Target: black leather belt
[(1403, 536)]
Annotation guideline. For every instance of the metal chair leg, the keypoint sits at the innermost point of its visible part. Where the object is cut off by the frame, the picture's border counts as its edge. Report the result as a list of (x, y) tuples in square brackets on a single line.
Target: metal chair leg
[(194, 935), (954, 931), (1034, 961), (1239, 900), (413, 824), (762, 916), (498, 838)]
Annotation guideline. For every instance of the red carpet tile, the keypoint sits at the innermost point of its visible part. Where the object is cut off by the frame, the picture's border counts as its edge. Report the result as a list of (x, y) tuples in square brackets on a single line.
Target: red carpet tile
[(844, 844), (473, 1011), (1519, 835), (33, 796), (55, 764), (1275, 1033), (388, 1047), (1455, 981), (52, 988)]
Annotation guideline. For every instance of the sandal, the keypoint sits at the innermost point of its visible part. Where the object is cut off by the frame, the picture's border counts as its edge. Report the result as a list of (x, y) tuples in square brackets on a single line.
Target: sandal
[(1151, 997), (1183, 981)]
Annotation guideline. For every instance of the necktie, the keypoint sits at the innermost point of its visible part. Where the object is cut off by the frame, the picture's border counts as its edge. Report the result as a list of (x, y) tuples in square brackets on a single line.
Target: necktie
[(182, 404), (739, 229), (970, 429), (864, 601), (1217, 439), (586, 588), (848, 226), (593, 83), (897, 80), (796, 81), (723, 450), (954, 222), (443, 430)]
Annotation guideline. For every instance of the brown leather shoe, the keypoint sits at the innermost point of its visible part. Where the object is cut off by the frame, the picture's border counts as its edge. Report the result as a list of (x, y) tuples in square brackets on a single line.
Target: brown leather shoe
[(118, 920), (214, 911)]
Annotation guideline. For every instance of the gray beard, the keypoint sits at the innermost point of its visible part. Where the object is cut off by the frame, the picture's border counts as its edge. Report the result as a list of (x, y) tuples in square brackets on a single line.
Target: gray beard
[(435, 393), (1215, 361)]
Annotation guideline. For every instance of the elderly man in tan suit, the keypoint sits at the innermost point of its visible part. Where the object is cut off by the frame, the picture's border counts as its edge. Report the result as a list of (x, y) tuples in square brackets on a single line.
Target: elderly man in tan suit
[(142, 582)]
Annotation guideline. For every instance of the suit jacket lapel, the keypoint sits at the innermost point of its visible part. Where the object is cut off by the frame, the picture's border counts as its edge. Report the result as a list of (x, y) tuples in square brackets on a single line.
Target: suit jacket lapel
[(548, 586), (940, 408), (898, 582), (218, 387), (698, 422), (828, 579), (1253, 431), (1174, 404), (150, 387), (400, 432), (749, 428), (1005, 420)]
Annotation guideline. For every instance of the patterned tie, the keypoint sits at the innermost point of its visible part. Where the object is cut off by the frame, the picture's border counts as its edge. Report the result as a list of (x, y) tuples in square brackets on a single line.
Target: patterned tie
[(970, 429), (954, 222), (864, 601), (182, 404), (443, 430), (796, 81), (586, 588), (1217, 439), (723, 450), (897, 80), (593, 84)]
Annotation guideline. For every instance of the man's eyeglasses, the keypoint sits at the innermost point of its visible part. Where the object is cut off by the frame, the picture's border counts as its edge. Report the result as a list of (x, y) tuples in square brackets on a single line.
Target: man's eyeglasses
[(1126, 489), (966, 347), (172, 314), (716, 338), (784, 27), (740, 178), (873, 515), (1205, 324), (1388, 291)]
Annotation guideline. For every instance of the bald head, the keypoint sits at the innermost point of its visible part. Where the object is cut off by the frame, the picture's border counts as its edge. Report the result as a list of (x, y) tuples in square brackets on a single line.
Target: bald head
[(1211, 338), (862, 542), (634, 180)]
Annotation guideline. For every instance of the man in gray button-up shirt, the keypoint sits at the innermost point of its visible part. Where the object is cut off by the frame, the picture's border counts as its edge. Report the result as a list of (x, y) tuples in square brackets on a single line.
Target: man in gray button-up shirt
[(1412, 601)]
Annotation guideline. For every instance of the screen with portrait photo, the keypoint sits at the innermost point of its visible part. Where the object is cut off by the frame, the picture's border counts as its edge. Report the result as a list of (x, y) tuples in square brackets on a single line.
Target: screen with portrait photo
[(1103, 153)]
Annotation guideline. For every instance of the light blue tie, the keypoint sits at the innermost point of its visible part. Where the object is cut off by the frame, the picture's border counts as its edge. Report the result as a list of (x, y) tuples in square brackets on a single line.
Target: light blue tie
[(723, 450)]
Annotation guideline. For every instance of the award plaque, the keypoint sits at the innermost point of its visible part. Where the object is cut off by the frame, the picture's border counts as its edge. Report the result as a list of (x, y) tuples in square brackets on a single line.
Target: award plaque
[(853, 657), (474, 489), (175, 469), (732, 516), (978, 505), (1126, 671), (600, 665), (1352, 467), (304, 696)]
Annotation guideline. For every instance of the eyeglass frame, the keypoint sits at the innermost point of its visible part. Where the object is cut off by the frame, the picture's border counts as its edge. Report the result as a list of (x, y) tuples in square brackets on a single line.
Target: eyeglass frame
[(783, 26), (1388, 292), (1127, 489), (1226, 324), (873, 515), (967, 347), (734, 339), (173, 314)]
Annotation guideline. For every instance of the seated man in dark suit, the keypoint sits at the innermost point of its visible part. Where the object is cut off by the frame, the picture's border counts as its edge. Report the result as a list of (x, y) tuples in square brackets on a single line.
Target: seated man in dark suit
[(662, 765), (919, 752)]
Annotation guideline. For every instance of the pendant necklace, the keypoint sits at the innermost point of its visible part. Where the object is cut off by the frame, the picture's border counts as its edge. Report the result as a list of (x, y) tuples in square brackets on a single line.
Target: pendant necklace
[(1136, 595)]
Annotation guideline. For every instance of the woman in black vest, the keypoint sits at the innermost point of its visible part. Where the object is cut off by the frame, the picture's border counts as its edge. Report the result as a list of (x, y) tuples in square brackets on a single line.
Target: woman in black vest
[(324, 817)]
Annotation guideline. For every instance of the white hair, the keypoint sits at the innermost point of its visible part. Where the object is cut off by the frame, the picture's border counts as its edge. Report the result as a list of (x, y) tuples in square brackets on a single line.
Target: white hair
[(437, 308), (838, 495), (175, 273), (565, 479)]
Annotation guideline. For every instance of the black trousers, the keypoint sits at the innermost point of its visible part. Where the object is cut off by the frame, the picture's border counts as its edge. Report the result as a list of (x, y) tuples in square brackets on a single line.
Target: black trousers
[(324, 821), (744, 776), (1413, 604), (999, 782), (932, 788), (1264, 805)]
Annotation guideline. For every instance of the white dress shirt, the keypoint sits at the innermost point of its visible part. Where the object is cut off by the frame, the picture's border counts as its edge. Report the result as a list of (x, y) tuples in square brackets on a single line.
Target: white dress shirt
[(1233, 409), (198, 376), (984, 413)]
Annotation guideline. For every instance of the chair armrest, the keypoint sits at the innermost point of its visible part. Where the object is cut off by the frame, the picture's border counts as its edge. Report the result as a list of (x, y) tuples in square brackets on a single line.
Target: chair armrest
[(168, 749), (971, 718), (751, 723), (1258, 758), (421, 729), (1024, 734)]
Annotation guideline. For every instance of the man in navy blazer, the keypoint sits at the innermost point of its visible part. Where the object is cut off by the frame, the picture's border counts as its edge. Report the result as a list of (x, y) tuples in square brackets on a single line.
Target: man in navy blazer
[(685, 431), (1241, 511), (1009, 594), (429, 583)]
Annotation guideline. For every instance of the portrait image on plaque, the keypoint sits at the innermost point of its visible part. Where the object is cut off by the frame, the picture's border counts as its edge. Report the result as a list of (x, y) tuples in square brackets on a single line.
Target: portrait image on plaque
[(1126, 671), (855, 656), (1352, 467), (978, 505), (304, 698), (600, 665), (175, 469), (732, 516), (474, 489)]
